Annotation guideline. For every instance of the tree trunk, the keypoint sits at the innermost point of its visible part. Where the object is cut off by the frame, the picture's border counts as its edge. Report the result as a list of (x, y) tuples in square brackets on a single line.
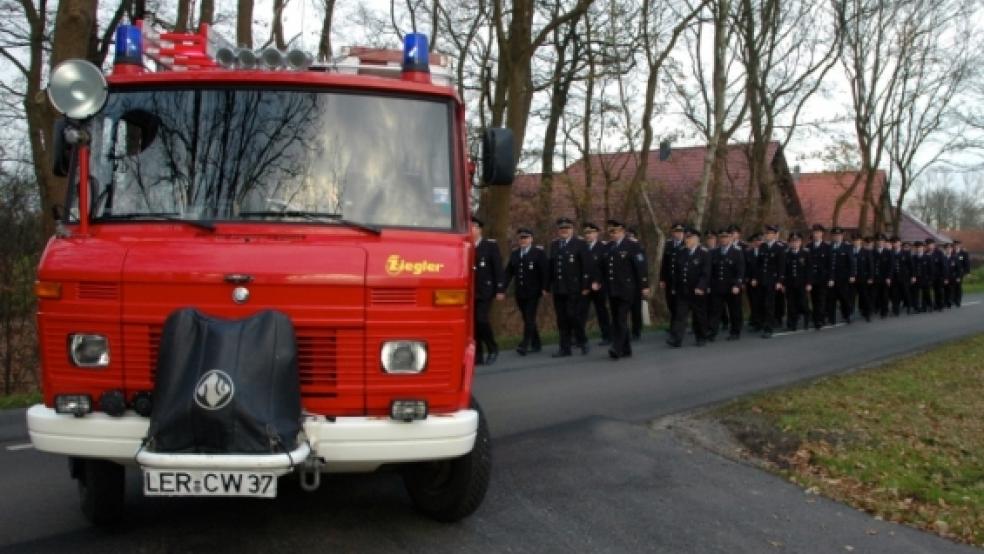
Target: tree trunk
[(207, 12), (278, 25), (244, 24), (324, 44), (181, 22), (719, 85)]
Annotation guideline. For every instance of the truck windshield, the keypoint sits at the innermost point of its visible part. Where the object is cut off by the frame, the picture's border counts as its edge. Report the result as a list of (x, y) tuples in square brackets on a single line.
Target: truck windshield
[(281, 155)]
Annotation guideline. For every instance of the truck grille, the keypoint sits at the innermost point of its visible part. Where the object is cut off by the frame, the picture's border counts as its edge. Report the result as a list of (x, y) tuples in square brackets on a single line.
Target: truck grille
[(393, 297), (92, 290)]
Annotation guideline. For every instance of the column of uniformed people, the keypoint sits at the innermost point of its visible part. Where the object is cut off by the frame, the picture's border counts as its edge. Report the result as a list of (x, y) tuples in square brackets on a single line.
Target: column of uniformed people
[(800, 283)]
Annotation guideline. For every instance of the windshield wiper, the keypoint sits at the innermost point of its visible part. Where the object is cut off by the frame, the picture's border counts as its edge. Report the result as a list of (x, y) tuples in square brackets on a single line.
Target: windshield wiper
[(315, 216), (167, 216)]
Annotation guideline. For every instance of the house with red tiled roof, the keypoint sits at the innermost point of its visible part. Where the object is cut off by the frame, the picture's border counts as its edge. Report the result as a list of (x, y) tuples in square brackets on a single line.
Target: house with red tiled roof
[(818, 194), (596, 188), (971, 239)]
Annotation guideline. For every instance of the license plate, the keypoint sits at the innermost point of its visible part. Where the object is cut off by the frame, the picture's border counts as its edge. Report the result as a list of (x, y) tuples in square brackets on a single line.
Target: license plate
[(181, 482)]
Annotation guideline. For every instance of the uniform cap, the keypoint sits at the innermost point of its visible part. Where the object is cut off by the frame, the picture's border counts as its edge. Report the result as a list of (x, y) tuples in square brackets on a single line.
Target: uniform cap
[(836, 231), (918, 243), (690, 231), (771, 229), (906, 243), (564, 223), (678, 227), (895, 238), (478, 222), (589, 227), (734, 228), (709, 233), (755, 237), (818, 227), (524, 232), (881, 236), (795, 236), (930, 240), (868, 238), (614, 223), (724, 232), (956, 242)]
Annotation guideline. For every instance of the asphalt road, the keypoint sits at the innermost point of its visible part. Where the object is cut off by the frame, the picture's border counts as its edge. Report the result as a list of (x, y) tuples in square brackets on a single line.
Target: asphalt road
[(577, 467)]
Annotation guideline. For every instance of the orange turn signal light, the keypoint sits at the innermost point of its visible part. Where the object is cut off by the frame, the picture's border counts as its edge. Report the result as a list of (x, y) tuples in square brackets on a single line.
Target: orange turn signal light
[(452, 297), (47, 289)]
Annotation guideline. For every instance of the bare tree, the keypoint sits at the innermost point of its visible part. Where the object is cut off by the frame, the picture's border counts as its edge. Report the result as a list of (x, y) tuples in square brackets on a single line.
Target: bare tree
[(324, 43), (244, 23)]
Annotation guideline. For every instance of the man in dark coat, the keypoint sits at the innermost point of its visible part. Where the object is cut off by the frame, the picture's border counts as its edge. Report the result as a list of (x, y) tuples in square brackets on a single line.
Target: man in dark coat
[(636, 310), (772, 267), (753, 253), (573, 275), (936, 260), (490, 283), (626, 279), (841, 279), (818, 258), (963, 263), (597, 298), (900, 276), (796, 283), (882, 258), (528, 266), (690, 292), (863, 249), (727, 278), (951, 272), (923, 269), (667, 270)]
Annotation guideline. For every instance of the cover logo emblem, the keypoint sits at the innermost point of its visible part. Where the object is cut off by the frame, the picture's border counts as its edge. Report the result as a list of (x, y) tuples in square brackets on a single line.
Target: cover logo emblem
[(214, 390), (397, 265)]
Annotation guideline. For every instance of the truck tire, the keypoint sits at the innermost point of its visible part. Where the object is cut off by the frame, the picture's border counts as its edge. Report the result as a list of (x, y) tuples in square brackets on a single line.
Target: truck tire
[(101, 490), (449, 490)]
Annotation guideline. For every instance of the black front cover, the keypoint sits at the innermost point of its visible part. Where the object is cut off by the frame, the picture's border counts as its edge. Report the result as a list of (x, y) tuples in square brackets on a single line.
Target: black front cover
[(226, 386)]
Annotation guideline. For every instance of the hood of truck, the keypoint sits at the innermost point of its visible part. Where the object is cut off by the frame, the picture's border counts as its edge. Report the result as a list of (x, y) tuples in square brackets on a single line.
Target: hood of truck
[(346, 294)]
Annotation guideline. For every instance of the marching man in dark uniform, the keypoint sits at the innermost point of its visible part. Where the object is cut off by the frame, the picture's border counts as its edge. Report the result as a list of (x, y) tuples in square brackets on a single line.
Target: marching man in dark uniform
[(573, 275), (951, 272), (901, 278), (923, 269), (597, 297), (690, 292), (626, 278), (843, 274), (818, 255), (963, 264), (936, 260), (772, 267), (727, 277), (863, 258), (636, 309), (490, 283), (883, 279), (752, 279), (797, 282), (528, 266), (668, 267)]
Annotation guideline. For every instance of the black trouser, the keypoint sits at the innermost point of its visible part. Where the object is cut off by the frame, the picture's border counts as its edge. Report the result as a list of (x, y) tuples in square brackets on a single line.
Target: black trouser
[(484, 338), (842, 294), (569, 322), (880, 290), (692, 306), (769, 294), (938, 298), (621, 345), (957, 295), (900, 295), (531, 335), (636, 311), (669, 296), (926, 305), (862, 291), (780, 311), (755, 316), (948, 293), (818, 302), (718, 304), (797, 306), (597, 298)]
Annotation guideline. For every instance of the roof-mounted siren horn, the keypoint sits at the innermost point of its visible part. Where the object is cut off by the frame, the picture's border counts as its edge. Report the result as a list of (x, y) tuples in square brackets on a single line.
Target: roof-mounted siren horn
[(226, 57), (271, 58), (246, 59), (299, 60), (416, 58)]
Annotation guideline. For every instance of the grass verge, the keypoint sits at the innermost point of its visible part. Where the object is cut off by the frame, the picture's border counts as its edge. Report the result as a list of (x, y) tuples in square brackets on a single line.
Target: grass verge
[(20, 400), (974, 281), (904, 441)]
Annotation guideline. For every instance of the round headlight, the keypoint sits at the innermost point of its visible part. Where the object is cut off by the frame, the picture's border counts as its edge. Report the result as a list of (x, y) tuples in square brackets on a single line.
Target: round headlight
[(403, 356), (77, 89)]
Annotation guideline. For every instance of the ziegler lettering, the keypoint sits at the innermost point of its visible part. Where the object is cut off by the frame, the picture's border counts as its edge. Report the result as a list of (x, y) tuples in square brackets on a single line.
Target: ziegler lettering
[(396, 265)]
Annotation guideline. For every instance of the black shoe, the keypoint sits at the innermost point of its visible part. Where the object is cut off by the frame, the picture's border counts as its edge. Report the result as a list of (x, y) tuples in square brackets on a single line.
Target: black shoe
[(627, 354), (791, 329), (604, 342), (674, 343), (701, 342), (521, 350), (561, 354), (492, 357), (712, 338), (767, 334), (612, 354), (733, 337), (585, 349), (535, 349)]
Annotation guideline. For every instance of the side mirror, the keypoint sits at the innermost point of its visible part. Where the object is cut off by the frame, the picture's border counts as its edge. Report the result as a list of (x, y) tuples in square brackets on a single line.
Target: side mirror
[(61, 151), (498, 161)]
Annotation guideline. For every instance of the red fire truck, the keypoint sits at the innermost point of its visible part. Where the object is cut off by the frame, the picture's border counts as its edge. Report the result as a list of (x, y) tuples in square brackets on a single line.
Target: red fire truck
[(210, 185)]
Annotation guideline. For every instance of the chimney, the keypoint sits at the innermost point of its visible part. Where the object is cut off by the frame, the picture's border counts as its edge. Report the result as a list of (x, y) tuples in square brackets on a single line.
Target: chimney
[(664, 150)]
